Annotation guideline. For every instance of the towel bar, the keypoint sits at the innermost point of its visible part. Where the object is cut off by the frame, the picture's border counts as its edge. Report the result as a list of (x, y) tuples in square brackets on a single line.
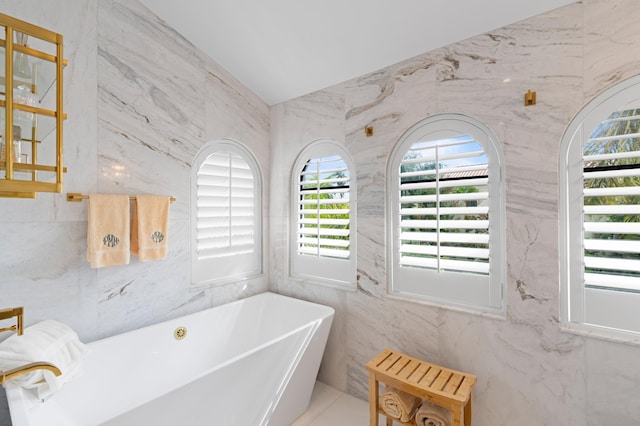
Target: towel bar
[(76, 197), (10, 313)]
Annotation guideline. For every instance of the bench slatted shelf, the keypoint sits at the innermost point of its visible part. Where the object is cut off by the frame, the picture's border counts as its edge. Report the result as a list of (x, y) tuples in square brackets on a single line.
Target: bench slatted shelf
[(440, 386)]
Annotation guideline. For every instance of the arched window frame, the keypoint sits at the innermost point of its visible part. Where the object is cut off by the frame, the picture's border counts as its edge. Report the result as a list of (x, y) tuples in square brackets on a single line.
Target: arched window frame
[(464, 290), (336, 272), (586, 309), (226, 268)]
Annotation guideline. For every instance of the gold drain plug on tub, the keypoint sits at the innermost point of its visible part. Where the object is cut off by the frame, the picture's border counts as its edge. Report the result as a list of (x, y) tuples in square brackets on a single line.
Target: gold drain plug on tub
[(180, 333)]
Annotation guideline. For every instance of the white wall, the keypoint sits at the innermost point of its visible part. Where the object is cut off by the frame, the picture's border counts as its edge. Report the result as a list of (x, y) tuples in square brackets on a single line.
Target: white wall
[(529, 372), (141, 101)]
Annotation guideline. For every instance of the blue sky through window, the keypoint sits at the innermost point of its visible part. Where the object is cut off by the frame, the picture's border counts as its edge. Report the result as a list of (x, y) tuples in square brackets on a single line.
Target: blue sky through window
[(460, 151)]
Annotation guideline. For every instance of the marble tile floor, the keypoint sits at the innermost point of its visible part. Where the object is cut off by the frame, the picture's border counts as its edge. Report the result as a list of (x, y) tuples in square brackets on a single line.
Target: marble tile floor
[(330, 407)]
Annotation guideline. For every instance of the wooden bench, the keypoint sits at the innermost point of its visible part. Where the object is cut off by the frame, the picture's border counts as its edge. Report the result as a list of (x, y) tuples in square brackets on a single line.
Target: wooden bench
[(440, 386)]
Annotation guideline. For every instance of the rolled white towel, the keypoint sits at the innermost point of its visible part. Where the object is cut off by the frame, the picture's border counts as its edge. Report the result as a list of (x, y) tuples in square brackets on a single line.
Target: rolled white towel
[(47, 341), (429, 414), (398, 404)]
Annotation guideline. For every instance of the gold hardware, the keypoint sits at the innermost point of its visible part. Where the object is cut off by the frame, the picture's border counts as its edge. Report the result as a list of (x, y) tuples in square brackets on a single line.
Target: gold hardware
[(180, 333), (77, 197), (32, 74), (10, 313), (529, 98), (368, 131), (8, 194), (28, 368)]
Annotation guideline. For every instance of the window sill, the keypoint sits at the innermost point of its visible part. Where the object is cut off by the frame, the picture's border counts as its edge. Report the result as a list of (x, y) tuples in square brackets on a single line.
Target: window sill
[(482, 312), (315, 281), (224, 281), (602, 333)]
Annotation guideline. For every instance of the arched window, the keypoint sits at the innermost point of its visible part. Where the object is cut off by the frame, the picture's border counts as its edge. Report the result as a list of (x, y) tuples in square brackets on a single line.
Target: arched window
[(226, 220), (600, 214), (323, 212), (446, 221)]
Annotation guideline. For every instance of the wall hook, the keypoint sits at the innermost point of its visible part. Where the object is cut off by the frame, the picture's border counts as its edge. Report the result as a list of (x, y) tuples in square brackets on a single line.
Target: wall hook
[(529, 98), (368, 131)]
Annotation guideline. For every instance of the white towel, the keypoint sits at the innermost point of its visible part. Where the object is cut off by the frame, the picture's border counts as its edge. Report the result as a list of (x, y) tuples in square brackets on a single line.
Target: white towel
[(432, 415), (47, 341)]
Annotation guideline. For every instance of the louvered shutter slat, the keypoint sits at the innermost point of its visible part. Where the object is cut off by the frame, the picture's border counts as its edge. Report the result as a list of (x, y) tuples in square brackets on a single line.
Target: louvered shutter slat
[(324, 252), (446, 211), (608, 209), (629, 265), (478, 253), (446, 237), (324, 211), (324, 242), (445, 224), (615, 137), (321, 202), (325, 231), (448, 265), (610, 156), (328, 191), (612, 191), (611, 174), (323, 221), (432, 198), (612, 227), (624, 246)]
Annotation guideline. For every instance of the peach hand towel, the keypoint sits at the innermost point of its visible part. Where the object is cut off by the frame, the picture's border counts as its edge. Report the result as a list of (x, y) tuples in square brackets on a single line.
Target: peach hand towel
[(149, 227), (108, 230), (398, 404)]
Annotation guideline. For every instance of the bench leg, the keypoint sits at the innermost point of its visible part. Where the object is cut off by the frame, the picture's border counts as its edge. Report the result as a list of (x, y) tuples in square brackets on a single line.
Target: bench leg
[(457, 414), (467, 412), (373, 400)]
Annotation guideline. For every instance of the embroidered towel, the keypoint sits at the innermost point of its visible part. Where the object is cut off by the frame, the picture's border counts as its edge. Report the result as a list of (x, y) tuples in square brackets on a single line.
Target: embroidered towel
[(149, 227), (108, 231), (47, 341)]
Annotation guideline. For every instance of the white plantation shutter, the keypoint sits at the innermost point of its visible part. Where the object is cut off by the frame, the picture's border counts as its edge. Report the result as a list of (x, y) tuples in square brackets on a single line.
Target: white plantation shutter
[(226, 226), (323, 208), (444, 209), (600, 208), (611, 208), (225, 213), (322, 246), (446, 214)]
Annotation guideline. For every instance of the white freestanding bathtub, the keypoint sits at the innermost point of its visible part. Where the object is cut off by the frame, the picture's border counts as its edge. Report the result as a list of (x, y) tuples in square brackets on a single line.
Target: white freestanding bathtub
[(250, 362)]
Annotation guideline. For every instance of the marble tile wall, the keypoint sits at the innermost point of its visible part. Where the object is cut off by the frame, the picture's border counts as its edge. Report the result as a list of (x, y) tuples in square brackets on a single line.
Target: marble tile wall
[(43, 241), (529, 372), (141, 101)]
